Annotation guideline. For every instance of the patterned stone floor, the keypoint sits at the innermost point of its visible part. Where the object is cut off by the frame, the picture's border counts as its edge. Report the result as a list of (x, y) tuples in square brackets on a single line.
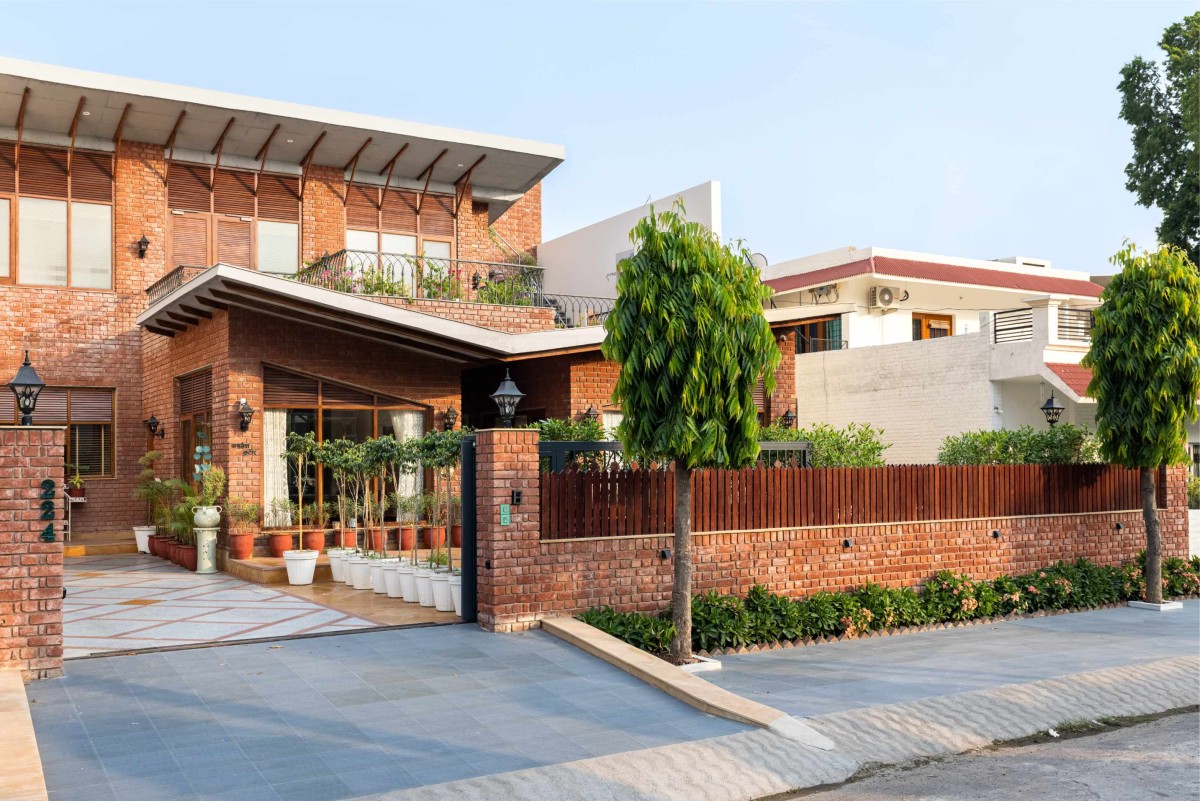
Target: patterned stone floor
[(133, 602)]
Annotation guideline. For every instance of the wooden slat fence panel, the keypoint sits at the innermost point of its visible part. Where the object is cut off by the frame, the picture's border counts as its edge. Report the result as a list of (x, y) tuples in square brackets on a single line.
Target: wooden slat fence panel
[(634, 502)]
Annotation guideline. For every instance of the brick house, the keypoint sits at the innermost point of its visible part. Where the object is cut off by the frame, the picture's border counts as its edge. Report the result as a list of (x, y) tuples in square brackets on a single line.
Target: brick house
[(169, 253)]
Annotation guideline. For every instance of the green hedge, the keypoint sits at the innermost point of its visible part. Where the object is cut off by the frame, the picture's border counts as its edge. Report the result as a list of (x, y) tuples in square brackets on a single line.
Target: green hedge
[(1061, 444), (727, 621), (855, 445), (1193, 492)]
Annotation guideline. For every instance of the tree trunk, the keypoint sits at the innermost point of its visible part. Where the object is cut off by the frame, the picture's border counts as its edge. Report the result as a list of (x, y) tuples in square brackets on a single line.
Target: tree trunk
[(681, 592), (1153, 567)]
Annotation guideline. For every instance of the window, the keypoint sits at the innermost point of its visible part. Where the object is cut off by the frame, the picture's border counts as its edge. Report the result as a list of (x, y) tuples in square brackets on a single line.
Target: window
[(815, 336), (88, 414), (91, 245), (278, 247), (43, 243), (195, 418), (931, 326), (5, 238)]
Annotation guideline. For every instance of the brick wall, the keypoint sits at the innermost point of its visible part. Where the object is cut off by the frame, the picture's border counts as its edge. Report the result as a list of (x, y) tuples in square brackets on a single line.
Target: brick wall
[(784, 396), (30, 570), (509, 319), (528, 579), (323, 213)]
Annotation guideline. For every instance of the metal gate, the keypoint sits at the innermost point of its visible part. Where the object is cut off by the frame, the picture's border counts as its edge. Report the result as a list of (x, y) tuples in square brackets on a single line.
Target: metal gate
[(470, 565)]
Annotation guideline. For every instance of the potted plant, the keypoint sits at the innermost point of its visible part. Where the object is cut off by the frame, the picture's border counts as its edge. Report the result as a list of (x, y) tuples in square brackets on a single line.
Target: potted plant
[(242, 516), (456, 521), (406, 515), (299, 450), (318, 514), (210, 489), (279, 539), (431, 533), (455, 582), (181, 521), (152, 491), (76, 484)]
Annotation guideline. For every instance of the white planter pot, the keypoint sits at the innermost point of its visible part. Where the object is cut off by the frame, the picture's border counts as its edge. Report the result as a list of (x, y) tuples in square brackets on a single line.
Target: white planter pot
[(347, 573), (142, 535), (405, 574), (360, 572), (206, 516), (456, 593), (337, 564), (377, 583), (442, 600), (391, 579), (300, 566), (424, 587)]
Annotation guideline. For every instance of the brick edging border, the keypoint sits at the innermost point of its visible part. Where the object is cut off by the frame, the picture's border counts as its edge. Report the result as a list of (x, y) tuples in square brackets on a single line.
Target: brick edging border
[(959, 624)]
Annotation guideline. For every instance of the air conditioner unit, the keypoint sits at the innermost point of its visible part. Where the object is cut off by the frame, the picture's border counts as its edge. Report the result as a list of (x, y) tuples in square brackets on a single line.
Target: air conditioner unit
[(883, 297)]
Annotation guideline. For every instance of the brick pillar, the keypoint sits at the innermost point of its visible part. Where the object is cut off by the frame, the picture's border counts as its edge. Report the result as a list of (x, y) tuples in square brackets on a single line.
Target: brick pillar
[(323, 224), (30, 569), (784, 396), (506, 459), (1173, 519)]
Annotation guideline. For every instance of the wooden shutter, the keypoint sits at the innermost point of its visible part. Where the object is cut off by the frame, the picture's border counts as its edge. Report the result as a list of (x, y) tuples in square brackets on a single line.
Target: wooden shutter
[(233, 242), (51, 407), (8, 167), (195, 392), (279, 198), (760, 396), (187, 188), (91, 405), (233, 193), (281, 388), (91, 176), (437, 217), (362, 207), (43, 172), (400, 211), (189, 240), (340, 395)]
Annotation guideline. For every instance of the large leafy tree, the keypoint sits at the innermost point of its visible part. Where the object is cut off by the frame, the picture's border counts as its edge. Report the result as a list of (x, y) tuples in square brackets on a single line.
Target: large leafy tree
[(1145, 361), (689, 334), (1162, 104)]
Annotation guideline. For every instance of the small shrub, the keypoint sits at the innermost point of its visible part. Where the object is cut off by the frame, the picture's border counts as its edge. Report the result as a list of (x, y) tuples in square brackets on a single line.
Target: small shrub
[(950, 596), (820, 615), (719, 621), (1193, 492), (856, 445), (650, 633), (1063, 444)]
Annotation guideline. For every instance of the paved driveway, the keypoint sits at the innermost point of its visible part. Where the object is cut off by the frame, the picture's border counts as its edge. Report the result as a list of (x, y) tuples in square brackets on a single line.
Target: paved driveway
[(339, 717), (820, 679)]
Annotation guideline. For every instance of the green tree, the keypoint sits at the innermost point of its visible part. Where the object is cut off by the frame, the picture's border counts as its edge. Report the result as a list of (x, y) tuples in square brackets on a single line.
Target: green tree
[(1145, 362), (689, 334), (299, 451), (1162, 104)]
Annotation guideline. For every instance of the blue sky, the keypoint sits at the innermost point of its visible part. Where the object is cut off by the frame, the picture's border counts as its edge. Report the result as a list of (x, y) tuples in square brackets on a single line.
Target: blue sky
[(973, 129)]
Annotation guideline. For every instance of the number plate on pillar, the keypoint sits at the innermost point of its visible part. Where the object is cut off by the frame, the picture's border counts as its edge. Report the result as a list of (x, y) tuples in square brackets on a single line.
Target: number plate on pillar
[(505, 514)]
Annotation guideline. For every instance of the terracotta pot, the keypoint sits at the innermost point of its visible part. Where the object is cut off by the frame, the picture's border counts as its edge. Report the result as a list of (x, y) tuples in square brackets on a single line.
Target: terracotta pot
[(348, 537), (408, 536), (434, 536), (456, 536), (153, 545), (241, 546), (173, 552), (376, 540), (158, 545), (279, 541), (76, 492), (187, 557), (314, 540)]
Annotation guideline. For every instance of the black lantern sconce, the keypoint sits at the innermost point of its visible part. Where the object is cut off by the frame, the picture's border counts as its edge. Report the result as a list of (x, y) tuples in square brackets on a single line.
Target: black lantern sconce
[(449, 418), (591, 415), (143, 245), (152, 425), (788, 418), (507, 396), (26, 386), (1053, 409), (246, 413)]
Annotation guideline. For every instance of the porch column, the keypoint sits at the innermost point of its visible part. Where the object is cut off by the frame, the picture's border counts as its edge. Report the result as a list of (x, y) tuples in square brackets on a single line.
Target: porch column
[(506, 460), (31, 568)]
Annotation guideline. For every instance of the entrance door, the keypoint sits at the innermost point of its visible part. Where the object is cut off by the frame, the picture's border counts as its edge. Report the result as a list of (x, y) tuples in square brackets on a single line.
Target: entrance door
[(468, 555)]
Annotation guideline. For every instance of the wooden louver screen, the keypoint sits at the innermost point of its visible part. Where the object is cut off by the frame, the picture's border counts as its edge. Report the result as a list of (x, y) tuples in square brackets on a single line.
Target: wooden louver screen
[(51, 407), (362, 210), (760, 395), (189, 241), (91, 177), (8, 167), (43, 172), (233, 193), (279, 198), (195, 392), (399, 211), (281, 388), (339, 395), (91, 405), (437, 216), (187, 188), (233, 242)]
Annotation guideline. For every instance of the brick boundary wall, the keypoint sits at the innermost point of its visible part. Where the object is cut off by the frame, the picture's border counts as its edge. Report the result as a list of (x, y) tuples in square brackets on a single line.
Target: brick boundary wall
[(509, 319), (522, 579), (30, 570)]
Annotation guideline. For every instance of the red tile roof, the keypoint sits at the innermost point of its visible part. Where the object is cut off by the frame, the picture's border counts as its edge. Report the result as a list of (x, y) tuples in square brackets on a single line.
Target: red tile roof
[(1075, 376), (932, 271)]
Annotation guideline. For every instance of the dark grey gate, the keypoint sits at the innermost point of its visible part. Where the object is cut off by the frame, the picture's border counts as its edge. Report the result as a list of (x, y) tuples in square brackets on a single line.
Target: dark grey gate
[(470, 566)]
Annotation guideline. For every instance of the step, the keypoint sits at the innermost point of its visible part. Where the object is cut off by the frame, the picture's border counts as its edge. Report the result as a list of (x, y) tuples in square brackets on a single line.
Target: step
[(99, 547)]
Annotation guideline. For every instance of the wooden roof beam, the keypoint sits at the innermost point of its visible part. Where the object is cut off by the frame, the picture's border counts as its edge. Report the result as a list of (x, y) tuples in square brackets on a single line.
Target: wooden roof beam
[(162, 332), (170, 145), (216, 151), (261, 155), (192, 310), (390, 167), (117, 137), (183, 318), (212, 304), (352, 166), (460, 190), (74, 130), (306, 163), (427, 174), (21, 124)]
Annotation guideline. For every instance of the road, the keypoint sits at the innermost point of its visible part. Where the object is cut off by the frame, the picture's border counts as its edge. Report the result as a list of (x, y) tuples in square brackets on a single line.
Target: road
[(1157, 759)]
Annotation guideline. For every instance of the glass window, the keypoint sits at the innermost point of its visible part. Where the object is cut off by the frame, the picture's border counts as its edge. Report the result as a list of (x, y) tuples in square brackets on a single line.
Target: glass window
[(91, 449), (278, 247), (5, 207), (438, 250), (91, 245), (43, 245), (362, 240), (401, 244)]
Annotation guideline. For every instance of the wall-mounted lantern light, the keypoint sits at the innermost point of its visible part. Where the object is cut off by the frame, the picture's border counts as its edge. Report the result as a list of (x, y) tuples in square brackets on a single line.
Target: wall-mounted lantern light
[(246, 413), (152, 425), (507, 396), (449, 418), (788, 418), (1053, 409), (26, 386), (591, 415), (143, 245)]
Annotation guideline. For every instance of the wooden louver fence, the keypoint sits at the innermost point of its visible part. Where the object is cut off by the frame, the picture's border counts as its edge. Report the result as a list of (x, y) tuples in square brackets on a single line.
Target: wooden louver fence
[(615, 503)]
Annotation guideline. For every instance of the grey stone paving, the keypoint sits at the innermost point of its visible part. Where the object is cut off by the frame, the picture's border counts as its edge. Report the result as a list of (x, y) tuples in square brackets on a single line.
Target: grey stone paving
[(341, 717), (817, 680)]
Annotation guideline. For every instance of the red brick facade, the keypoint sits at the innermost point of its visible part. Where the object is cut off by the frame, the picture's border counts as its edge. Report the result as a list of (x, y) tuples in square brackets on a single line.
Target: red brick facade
[(509, 319), (528, 579), (30, 569)]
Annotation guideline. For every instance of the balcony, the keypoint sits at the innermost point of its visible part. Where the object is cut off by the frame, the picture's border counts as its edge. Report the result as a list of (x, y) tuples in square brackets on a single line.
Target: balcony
[(819, 344), (1017, 325)]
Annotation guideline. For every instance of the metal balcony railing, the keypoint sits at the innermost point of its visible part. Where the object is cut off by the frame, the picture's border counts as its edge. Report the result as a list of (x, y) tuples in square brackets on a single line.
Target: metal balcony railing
[(819, 344), (1075, 325), (1012, 325), (170, 282)]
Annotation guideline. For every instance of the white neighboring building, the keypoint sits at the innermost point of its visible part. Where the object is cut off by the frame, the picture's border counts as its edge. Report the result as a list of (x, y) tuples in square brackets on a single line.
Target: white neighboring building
[(584, 262), (924, 346)]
